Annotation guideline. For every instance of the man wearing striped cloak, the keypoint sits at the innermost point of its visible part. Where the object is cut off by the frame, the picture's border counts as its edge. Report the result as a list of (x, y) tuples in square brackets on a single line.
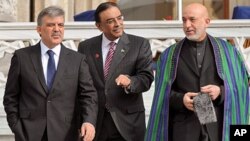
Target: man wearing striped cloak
[(198, 63)]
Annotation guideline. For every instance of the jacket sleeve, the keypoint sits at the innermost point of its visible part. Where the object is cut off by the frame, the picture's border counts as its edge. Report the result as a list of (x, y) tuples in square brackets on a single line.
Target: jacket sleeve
[(143, 79), (87, 95), (12, 92)]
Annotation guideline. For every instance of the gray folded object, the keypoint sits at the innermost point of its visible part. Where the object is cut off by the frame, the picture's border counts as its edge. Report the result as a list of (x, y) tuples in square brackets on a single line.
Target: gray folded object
[(204, 109)]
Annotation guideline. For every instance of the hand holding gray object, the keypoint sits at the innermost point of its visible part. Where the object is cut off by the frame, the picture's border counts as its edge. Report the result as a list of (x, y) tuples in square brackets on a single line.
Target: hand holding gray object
[(204, 108)]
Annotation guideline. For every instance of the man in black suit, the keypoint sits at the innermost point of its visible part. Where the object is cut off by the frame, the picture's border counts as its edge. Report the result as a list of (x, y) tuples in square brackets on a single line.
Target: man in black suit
[(47, 94), (120, 84)]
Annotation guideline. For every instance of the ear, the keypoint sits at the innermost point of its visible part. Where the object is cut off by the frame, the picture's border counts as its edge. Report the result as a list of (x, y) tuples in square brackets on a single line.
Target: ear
[(207, 20), (38, 29), (98, 25)]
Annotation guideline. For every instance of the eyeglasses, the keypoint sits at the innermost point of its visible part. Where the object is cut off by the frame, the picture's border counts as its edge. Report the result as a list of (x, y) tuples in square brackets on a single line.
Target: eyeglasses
[(112, 21)]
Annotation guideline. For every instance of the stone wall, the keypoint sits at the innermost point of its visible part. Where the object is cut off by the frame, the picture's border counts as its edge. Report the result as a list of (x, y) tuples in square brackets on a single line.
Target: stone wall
[(161, 35), (8, 10)]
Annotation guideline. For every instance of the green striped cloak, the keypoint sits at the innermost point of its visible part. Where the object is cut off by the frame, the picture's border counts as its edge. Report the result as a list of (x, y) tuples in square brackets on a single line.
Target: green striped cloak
[(232, 71)]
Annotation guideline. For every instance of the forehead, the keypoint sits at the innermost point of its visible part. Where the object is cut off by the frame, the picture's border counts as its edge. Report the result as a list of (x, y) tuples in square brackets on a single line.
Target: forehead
[(192, 13), (50, 19), (111, 12)]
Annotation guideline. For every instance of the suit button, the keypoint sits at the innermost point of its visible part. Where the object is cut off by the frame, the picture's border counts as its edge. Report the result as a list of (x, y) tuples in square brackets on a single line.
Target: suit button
[(107, 107), (48, 101)]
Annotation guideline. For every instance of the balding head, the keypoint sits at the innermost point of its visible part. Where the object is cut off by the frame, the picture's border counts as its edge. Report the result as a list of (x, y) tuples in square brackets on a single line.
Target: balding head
[(197, 8), (195, 21)]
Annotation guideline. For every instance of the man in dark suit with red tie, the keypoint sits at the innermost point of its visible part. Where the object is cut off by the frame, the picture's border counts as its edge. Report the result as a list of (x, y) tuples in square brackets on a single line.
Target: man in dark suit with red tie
[(49, 87), (120, 65)]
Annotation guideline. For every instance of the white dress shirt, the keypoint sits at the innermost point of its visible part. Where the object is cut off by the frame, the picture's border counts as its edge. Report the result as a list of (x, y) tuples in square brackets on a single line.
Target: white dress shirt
[(105, 47), (45, 57)]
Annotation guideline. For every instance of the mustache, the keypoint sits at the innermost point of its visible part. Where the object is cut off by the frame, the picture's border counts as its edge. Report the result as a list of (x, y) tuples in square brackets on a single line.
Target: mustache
[(117, 28), (56, 34)]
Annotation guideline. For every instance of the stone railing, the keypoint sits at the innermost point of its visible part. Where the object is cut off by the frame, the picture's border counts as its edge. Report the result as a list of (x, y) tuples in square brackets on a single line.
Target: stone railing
[(161, 34)]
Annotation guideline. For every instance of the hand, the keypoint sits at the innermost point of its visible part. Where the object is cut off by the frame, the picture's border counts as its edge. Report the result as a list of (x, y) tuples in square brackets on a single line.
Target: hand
[(123, 80), (212, 90), (87, 132), (188, 100)]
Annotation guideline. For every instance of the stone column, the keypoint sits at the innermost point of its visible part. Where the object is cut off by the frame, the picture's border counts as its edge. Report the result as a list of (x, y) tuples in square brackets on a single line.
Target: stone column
[(67, 5), (8, 10), (84, 5), (71, 7), (23, 10)]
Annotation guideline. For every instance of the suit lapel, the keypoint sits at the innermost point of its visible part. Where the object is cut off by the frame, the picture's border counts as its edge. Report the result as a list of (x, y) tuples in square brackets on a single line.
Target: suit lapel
[(96, 53), (62, 65), (37, 63), (121, 50)]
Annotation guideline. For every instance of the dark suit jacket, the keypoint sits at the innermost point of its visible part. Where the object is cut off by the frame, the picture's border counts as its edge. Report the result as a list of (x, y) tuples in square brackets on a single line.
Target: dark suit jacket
[(132, 57), (188, 79), (31, 108)]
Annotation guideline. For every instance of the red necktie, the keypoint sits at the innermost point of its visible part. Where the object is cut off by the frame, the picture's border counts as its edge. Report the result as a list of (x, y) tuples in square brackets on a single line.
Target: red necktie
[(109, 59)]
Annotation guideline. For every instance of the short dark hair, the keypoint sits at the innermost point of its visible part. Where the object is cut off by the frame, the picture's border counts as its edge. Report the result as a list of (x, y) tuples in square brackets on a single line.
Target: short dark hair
[(52, 11), (102, 7)]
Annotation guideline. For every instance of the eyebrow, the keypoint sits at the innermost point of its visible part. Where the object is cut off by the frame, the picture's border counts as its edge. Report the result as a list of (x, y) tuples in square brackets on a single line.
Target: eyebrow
[(114, 17)]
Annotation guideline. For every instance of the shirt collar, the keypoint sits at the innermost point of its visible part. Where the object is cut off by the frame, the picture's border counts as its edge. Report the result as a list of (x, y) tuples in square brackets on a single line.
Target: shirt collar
[(197, 44), (106, 41), (55, 49)]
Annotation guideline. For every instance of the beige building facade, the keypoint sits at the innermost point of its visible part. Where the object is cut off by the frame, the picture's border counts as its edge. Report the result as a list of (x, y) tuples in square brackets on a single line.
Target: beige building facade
[(27, 10)]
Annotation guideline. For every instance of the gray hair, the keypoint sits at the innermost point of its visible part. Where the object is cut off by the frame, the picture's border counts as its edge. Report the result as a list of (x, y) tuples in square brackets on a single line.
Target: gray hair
[(51, 11)]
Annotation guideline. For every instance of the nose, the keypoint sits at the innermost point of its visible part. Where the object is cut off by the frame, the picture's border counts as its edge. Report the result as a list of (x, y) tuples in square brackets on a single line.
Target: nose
[(56, 27), (187, 23), (117, 21)]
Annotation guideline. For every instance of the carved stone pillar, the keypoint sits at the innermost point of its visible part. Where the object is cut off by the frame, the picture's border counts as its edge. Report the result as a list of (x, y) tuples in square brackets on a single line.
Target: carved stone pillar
[(8, 10)]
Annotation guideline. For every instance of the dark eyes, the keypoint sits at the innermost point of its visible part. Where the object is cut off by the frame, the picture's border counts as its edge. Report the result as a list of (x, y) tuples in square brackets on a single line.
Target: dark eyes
[(54, 24), (113, 20)]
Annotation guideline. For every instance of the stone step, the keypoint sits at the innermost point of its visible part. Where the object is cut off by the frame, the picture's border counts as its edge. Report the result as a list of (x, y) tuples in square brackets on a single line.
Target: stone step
[(5, 132), (7, 138), (4, 128)]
